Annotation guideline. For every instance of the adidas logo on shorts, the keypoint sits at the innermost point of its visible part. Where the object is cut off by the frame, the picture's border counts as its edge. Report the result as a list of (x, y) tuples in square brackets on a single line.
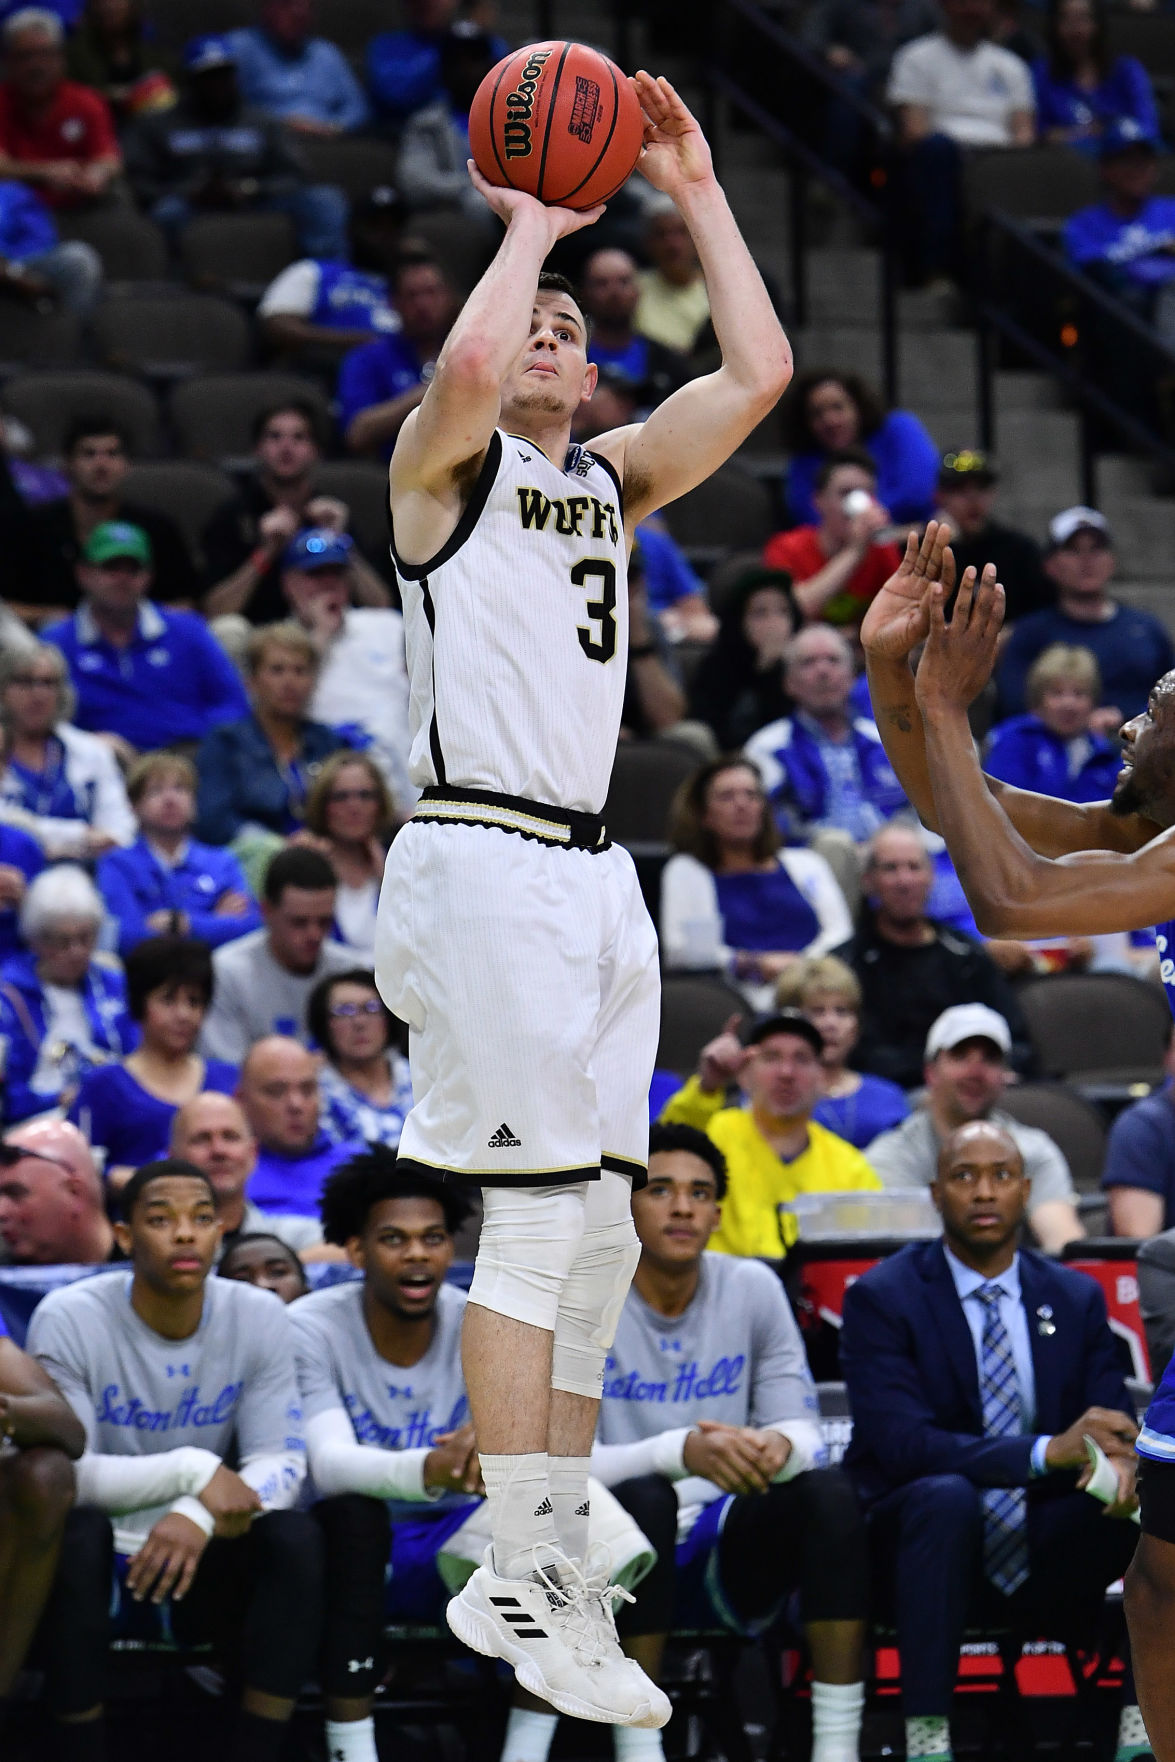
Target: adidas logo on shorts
[(504, 1139)]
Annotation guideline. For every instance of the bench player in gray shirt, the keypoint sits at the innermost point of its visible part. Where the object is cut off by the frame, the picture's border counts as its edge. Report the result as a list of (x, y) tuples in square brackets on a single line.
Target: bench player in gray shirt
[(710, 1436), (172, 1374)]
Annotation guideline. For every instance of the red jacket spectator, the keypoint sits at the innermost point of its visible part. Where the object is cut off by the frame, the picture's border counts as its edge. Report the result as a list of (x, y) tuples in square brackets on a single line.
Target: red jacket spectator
[(54, 133)]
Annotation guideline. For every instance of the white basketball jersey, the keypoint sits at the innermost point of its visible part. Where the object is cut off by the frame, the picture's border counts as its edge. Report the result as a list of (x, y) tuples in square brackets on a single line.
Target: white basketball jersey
[(517, 632)]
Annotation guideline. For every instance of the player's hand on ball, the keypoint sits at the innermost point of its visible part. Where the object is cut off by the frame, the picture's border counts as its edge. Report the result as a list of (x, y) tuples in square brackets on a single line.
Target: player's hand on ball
[(898, 617), (958, 658), (675, 152), (506, 203)]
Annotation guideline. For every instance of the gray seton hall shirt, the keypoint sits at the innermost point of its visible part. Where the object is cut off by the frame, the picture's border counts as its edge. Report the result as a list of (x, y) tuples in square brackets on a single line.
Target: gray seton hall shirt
[(735, 1355), (907, 1156), (162, 1415), (369, 1423)]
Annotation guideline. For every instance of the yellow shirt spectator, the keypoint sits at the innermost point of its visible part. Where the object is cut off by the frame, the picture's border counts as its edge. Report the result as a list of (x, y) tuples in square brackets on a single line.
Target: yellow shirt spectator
[(758, 1180)]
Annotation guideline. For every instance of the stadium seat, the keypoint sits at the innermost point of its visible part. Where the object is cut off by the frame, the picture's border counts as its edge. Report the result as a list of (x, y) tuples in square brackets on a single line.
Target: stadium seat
[(172, 335), (1076, 1126), (1105, 1033), (1030, 183), (353, 162), (353, 23), (237, 254), (213, 416), (729, 509), (37, 339), (186, 491), (132, 248), (461, 249), (178, 20), (48, 402), (364, 488), (645, 778), (694, 1008)]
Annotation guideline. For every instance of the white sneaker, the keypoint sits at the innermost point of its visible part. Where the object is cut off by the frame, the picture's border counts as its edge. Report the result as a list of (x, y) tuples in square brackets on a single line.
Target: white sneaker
[(602, 1595), (549, 1627)]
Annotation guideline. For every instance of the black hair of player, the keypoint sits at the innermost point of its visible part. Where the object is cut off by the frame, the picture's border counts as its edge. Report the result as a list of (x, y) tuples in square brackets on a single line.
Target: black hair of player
[(318, 1008), (663, 1138), (296, 867), (855, 456), (551, 282), (166, 961), (93, 425), (373, 1176), (168, 1167), (289, 407), (247, 1239)]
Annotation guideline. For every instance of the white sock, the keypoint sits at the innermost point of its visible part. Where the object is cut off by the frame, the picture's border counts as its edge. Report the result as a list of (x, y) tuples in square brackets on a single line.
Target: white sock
[(1132, 1738), (632, 1743), (928, 1737), (522, 1512), (528, 1735), (569, 1495), (836, 1720), (352, 1742)]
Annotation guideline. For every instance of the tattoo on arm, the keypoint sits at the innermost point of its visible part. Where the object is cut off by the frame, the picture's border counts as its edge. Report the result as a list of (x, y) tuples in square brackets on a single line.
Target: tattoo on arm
[(899, 715)]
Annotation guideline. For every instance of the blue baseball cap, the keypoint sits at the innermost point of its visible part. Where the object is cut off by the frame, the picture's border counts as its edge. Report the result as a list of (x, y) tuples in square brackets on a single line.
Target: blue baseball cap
[(1125, 136), (202, 54), (318, 548)]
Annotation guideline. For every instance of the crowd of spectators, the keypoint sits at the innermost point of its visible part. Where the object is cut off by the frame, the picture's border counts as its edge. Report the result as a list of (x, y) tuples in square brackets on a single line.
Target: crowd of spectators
[(204, 758)]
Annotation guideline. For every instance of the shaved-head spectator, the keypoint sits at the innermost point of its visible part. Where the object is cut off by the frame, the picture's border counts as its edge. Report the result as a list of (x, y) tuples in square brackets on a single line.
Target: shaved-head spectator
[(51, 1203), (212, 1133), (55, 135), (610, 290), (279, 1098), (264, 980)]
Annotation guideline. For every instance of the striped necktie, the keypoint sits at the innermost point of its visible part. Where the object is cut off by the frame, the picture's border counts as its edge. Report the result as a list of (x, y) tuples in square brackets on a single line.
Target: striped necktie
[(1005, 1509)]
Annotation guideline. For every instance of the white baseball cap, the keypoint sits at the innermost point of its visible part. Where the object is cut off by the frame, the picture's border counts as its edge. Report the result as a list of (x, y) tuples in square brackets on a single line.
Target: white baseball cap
[(967, 1021), (1063, 526)]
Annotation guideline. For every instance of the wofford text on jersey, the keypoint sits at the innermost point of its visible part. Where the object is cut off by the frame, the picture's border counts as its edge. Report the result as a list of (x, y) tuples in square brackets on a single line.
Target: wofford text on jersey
[(571, 513)]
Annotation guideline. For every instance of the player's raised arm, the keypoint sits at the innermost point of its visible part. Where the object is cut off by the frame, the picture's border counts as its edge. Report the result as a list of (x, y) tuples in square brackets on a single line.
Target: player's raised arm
[(456, 419), (698, 428), (896, 623)]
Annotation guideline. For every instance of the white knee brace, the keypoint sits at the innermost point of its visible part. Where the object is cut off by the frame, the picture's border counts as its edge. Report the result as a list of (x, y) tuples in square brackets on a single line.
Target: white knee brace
[(530, 1237), (589, 1309)]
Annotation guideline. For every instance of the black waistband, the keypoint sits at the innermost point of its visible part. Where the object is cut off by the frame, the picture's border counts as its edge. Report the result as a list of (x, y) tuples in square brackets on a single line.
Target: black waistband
[(513, 813)]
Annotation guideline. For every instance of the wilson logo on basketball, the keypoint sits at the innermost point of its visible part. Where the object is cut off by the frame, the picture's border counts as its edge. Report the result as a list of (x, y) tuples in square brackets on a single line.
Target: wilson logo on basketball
[(520, 107), (584, 110)]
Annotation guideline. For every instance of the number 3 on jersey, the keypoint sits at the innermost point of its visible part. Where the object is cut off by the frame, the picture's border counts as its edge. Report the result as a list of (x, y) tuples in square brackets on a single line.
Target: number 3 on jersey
[(601, 611)]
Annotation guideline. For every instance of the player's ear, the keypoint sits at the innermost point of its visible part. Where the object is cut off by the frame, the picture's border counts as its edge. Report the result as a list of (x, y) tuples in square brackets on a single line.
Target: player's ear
[(355, 1254), (590, 379)]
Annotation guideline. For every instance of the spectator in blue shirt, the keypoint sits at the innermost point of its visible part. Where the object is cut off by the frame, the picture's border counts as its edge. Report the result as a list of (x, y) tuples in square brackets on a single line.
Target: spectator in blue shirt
[(1081, 89), (62, 1007), (364, 1083), (126, 1108), (404, 67), (144, 674), (21, 859), (610, 291), (856, 1105), (381, 382), (35, 264), (302, 80), (828, 411), (279, 1097), (167, 883), (1054, 750), (317, 309), (1139, 1171), (1132, 648), (1127, 240), (256, 773)]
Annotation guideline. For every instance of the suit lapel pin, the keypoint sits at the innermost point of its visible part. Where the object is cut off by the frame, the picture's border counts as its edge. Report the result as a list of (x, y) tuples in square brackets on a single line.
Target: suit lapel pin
[(1044, 1320)]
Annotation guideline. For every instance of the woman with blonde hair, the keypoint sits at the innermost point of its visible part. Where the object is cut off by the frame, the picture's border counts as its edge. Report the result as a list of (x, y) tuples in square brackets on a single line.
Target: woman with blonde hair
[(731, 898), (855, 1106), (1057, 748), (350, 818), (256, 774)]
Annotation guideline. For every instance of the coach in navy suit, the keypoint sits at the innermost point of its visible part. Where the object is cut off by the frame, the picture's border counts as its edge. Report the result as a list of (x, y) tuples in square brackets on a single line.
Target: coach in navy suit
[(974, 1369)]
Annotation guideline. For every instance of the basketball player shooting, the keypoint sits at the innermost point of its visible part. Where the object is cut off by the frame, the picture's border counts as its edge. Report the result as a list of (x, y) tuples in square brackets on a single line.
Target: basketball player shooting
[(512, 936), (1033, 866)]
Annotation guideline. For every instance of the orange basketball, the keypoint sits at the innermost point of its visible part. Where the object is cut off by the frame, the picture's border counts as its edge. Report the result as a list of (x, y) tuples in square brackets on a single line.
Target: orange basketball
[(558, 120)]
